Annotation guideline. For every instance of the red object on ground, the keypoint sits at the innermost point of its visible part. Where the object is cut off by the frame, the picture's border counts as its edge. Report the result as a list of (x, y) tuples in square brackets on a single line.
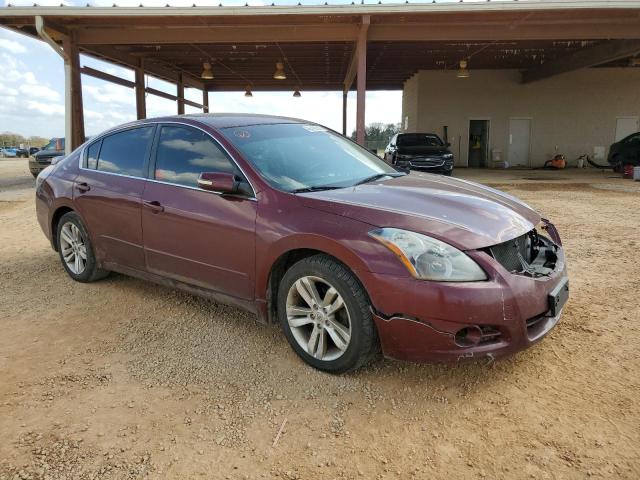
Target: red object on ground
[(627, 171)]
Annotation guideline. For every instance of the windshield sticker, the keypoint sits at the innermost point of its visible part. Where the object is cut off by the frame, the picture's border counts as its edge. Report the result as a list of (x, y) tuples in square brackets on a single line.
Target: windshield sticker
[(242, 133), (314, 128)]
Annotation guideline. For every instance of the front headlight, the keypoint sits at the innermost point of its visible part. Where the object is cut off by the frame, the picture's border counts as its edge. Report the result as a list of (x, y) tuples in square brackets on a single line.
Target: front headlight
[(427, 258), (447, 156)]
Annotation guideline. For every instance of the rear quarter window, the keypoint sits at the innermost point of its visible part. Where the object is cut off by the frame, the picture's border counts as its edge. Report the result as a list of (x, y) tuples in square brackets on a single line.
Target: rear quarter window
[(92, 155)]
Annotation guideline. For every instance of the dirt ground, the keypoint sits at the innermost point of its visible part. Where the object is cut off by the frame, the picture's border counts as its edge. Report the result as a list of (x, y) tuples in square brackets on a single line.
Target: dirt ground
[(122, 379)]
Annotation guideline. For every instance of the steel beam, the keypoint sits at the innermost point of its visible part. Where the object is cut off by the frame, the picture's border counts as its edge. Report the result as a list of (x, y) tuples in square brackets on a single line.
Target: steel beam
[(589, 57), (205, 101), (92, 72), (141, 101), (180, 95), (424, 31), (344, 112), (218, 34)]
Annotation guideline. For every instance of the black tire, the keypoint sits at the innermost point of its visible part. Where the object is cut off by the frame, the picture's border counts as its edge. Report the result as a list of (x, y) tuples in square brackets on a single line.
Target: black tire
[(91, 272), (449, 173), (617, 164), (363, 346)]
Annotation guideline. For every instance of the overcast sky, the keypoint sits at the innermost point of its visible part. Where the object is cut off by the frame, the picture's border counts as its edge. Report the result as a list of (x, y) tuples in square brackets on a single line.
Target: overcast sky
[(32, 88)]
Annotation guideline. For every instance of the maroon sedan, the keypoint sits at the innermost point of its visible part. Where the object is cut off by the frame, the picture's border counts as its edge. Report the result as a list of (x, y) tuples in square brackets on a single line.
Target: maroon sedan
[(301, 226)]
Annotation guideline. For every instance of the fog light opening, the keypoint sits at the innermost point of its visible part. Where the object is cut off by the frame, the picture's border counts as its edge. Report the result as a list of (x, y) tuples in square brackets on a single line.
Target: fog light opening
[(468, 336)]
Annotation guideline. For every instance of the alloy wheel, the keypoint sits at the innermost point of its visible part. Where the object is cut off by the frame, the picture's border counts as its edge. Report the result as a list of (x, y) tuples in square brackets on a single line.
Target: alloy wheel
[(318, 318), (73, 248)]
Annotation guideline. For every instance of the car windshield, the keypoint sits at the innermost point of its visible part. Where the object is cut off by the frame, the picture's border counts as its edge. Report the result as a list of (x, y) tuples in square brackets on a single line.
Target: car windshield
[(419, 140), (54, 144), (295, 156)]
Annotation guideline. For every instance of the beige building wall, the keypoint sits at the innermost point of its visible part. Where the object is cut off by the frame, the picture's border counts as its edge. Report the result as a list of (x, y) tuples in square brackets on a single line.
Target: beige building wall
[(574, 112), (410, 104)]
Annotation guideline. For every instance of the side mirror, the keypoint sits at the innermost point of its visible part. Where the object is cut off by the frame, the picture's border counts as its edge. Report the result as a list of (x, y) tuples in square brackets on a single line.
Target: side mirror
[(218, 182), (448, 144)]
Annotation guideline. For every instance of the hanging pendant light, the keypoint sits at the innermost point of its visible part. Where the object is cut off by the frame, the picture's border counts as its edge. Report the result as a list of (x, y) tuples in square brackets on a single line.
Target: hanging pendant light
[(207, 73), (279, 73), (463, 71), (247, 92), (297, 93)]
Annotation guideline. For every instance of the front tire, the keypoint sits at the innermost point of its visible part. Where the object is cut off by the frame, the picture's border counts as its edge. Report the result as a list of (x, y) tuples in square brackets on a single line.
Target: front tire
[(326, 316), (75, 249)]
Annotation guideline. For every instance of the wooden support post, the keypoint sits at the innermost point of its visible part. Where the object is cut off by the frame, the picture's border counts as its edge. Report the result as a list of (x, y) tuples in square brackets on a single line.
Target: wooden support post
[(361, 79), (205, 101), (344, 113), (141, 101), (180, 95), (74, 131)]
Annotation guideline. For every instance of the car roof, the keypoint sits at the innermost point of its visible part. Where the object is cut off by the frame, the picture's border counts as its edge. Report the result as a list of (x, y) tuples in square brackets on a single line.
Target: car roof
[(225, 120), (417, 133)]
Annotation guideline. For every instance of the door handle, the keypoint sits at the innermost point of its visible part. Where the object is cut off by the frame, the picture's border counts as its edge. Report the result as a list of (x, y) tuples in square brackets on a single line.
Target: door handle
[(83, 187), (154, 206)]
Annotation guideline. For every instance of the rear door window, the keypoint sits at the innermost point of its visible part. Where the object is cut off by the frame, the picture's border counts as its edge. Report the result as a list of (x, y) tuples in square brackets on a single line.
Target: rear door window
[(183, 153), (125, 153)]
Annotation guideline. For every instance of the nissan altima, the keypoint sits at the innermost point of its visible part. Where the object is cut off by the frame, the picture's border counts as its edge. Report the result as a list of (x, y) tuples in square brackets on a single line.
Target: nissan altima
[(303, 227)]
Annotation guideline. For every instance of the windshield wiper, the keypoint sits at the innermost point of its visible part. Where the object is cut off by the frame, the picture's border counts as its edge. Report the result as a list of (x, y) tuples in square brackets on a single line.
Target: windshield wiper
[(316, 188), (378, 176)]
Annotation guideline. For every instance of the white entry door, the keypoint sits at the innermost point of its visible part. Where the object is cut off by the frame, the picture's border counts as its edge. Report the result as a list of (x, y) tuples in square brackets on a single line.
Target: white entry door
[(625, 126), (519, 141)]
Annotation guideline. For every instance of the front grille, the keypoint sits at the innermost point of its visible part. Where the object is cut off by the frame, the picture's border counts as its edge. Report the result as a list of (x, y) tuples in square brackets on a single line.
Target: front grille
[(510, 254), (427, 162)]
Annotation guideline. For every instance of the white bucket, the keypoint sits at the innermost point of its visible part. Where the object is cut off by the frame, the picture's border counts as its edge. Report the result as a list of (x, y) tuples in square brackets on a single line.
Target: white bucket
[(636, 174)]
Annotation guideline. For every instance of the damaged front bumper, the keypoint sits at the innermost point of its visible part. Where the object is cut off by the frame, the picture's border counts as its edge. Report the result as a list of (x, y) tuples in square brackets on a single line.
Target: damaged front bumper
[(449, 322)]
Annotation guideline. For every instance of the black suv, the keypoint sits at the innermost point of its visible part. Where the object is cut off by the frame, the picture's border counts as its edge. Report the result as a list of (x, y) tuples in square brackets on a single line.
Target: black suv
[(424, 151), (42, 159), (625, 152)]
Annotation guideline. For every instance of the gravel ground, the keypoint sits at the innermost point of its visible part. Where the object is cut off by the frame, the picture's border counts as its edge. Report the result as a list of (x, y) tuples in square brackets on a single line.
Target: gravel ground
[(122, 379)]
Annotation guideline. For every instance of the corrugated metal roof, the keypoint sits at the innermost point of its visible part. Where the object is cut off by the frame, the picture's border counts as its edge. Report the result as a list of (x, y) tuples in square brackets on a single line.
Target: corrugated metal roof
[(279, 8)]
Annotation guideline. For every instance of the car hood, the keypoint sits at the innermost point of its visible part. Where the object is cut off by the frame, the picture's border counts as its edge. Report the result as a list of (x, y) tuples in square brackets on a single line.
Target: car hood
[(48, 153), (464, 214), (423, 150)]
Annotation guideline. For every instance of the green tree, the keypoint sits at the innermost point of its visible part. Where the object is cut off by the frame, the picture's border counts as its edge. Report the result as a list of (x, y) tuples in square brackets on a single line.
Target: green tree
[(377, 135), (10, 139)]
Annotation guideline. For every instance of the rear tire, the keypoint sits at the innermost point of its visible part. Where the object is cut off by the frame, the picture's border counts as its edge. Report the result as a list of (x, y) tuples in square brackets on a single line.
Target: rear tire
[(75, 249), (336, 310)]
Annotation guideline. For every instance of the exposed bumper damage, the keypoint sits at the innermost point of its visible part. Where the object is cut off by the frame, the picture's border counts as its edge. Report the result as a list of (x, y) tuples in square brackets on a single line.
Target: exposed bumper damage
[(448, 322), (416, 341)]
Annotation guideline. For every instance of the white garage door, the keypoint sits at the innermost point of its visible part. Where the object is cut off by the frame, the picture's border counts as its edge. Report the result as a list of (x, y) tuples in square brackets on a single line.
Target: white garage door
[(519, 141)]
